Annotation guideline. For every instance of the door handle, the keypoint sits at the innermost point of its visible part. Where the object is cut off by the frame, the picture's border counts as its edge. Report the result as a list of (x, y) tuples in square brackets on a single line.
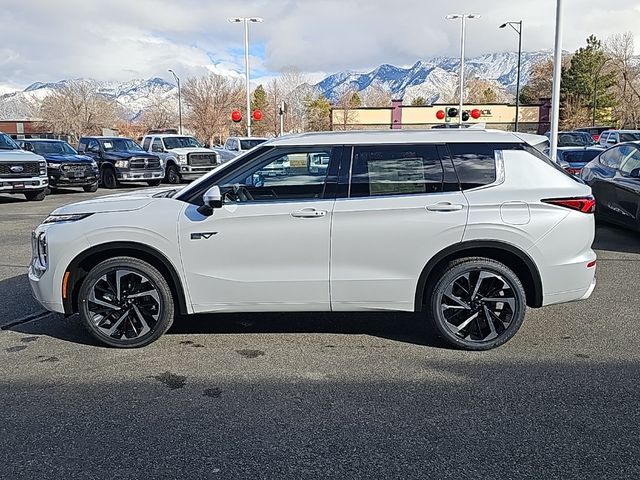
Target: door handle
[(308, 213), (445, 207)]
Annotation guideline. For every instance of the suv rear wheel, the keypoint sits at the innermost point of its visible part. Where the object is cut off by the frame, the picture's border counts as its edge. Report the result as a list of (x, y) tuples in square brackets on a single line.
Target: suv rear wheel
[(477, 303), (125, 302)]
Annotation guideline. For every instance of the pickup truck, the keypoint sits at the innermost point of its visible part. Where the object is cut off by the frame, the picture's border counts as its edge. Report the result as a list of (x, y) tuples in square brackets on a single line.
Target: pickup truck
[(21, 171), (238, 145), (184, 158), (122, 160)]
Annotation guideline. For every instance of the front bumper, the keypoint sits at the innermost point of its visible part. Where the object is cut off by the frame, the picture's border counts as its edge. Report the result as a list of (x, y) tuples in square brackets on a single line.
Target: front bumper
[(22, 185), (71, 181), (192, 172), (144, 175)]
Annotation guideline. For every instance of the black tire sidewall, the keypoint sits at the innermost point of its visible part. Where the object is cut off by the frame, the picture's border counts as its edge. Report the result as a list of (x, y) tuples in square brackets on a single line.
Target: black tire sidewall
[(454, 270), (143, 268), (109, 174), (35, 196), (172, 175)]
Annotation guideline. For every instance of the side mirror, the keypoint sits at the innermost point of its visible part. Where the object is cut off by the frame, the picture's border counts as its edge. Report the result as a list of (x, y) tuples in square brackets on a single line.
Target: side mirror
[(635, 173), (211, 200)]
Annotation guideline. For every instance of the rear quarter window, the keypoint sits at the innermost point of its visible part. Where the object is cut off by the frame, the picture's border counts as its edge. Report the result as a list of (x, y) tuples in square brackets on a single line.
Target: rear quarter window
[(475, 163)]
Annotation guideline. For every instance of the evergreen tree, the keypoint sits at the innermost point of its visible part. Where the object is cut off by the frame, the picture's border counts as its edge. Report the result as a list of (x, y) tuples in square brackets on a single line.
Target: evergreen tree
[(419, 102), (260, 102), (318, 114)]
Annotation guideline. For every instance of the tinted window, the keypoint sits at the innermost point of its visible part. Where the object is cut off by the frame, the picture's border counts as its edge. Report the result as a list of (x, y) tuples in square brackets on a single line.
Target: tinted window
[(249, 144), (284, 175), (574, 140), (61, 148), (395, 170), (612, 157), (579, 156), (146, 143), (157, 145), (630, 161), (475, 163), (629, 137), (180, 142), (93, 145), (7, 143), (120, 145)]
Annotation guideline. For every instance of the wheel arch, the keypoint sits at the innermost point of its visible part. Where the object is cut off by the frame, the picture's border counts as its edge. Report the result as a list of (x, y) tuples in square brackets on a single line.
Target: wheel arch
[(79, 267), (513, 257)]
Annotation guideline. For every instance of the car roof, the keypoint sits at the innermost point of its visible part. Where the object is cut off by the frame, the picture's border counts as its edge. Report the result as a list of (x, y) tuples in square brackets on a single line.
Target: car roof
[(406, 136), (104, 137), (248, 138), (42, 140), (167, 135)]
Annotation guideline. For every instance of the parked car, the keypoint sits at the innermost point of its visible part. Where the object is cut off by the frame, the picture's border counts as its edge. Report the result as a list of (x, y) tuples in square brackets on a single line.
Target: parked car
[(594, 131), (612, 137), (184, 158), (614, 177), (122, 160), (318, 163), (573, 139), (65, 166), (454, 224), (22, 172), (573, 159), (238, 145)]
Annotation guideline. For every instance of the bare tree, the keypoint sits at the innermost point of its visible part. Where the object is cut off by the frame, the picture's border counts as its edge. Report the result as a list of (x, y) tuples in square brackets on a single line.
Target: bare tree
[(348, 102), (296, 91), (77, 109), (209, 101), (485, 91), (620, 49), (160, 112), (376, 95), (275, 96)]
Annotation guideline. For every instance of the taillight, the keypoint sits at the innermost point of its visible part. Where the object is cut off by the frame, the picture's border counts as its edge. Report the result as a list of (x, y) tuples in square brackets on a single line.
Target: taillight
[(573, 171), (581, 204)]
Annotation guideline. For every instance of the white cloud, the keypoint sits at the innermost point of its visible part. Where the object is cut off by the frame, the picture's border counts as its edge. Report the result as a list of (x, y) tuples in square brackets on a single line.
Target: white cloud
[(42, 40)]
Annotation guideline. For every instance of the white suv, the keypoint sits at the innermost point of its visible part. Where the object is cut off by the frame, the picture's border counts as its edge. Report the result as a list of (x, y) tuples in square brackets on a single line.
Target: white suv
[(467, 226)]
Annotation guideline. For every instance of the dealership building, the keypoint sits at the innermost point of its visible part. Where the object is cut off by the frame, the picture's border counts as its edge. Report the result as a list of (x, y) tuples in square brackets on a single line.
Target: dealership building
[(532, 118)]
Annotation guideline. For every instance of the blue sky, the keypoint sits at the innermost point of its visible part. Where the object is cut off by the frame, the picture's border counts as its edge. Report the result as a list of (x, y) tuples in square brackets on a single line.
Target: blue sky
[(44, 40)]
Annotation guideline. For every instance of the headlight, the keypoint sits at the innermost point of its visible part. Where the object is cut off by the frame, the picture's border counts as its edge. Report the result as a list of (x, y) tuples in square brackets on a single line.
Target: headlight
[(94, 165), (70, 217), (122, 163), (40, 252), (182, 158), (43, 168), (55, 166)]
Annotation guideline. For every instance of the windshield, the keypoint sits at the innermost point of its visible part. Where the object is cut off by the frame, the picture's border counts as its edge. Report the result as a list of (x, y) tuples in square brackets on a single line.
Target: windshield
[(6, 143), (629, 137), (574, 140), (62, 148), (120, 145), (180, 142), (249, 144), (579, 156)]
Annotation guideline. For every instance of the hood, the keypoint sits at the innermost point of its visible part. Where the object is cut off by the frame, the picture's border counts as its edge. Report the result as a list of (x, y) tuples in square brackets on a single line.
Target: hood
[(119, 202), (19, 156), (59, 158), (129, 154), (186, 150)]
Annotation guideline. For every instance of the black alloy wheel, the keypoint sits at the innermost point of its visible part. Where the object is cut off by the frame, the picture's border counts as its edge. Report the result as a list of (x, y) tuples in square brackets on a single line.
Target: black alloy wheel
[(172, 174), (109, 179)]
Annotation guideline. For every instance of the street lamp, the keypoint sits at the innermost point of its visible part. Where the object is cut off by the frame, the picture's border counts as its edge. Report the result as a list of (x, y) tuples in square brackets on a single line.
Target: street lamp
[(517, 26), (557, 77), (462, 17), (246, 21), (179, 101)]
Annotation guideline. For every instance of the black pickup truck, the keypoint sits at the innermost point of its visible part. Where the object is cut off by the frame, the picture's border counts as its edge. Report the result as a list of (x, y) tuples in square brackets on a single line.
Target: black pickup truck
[(122, 160)]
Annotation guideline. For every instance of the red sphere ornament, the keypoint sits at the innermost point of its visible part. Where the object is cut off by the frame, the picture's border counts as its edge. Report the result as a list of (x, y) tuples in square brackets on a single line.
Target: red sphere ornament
[(476, 114), (236, 115), (257, 115), (440, 114)]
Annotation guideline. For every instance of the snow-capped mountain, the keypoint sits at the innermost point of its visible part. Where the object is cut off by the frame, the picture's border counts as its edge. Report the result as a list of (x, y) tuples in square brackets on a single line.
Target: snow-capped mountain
[(433, 79), (133, 96), (436, 78)]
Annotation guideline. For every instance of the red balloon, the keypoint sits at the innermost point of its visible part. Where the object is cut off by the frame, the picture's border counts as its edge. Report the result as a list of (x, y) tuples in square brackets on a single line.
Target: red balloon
[(236, 115), (440, 114), (257, 115), (475, 113)]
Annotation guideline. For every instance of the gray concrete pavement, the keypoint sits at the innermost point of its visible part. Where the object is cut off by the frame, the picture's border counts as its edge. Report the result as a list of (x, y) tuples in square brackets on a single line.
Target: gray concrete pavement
[(321, 396)]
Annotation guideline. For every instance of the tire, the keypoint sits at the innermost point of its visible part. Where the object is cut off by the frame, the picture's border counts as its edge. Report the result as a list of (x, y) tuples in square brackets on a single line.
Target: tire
[(123, 321), (35, 196), (109, 179), (91, 188), (153, 183), (476, 322), (172, 175)]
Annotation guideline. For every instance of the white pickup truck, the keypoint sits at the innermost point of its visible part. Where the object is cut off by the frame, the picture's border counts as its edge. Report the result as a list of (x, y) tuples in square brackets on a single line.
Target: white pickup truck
[(183, 157), (21, 171)]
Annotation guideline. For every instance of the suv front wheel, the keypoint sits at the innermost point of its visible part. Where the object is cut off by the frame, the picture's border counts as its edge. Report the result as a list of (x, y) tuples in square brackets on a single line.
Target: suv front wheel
[(125, 302), (477, 303)]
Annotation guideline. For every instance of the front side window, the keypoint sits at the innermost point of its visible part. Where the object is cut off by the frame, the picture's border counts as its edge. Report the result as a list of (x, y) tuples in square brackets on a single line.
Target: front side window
[(146, 143), (475, 163), (7, 143), (281, 176), (613, 157), (157, 145), (395, 170), (93, 146), (631, 161)]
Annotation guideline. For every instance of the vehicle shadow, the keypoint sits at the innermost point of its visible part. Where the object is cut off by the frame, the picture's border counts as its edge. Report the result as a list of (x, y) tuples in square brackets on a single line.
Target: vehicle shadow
[(616, 239)]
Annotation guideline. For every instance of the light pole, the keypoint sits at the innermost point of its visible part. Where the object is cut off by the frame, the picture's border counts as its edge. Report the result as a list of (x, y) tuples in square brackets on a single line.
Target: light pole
[(462, 17), (555, 90), (518, 30), (246, 21), (179, 102)]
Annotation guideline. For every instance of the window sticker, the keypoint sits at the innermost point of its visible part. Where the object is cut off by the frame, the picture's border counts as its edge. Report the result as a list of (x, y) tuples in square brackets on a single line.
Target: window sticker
[(396, 176)]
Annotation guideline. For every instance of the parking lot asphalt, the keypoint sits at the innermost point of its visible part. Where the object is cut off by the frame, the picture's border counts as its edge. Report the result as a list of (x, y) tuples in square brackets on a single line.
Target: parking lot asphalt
[(297, 396)]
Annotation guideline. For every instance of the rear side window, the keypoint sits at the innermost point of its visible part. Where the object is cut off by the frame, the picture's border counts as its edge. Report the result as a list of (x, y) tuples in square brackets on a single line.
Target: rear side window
[(82, 146), (396, 170), (614, 156), (475, 163), (631, 163)]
